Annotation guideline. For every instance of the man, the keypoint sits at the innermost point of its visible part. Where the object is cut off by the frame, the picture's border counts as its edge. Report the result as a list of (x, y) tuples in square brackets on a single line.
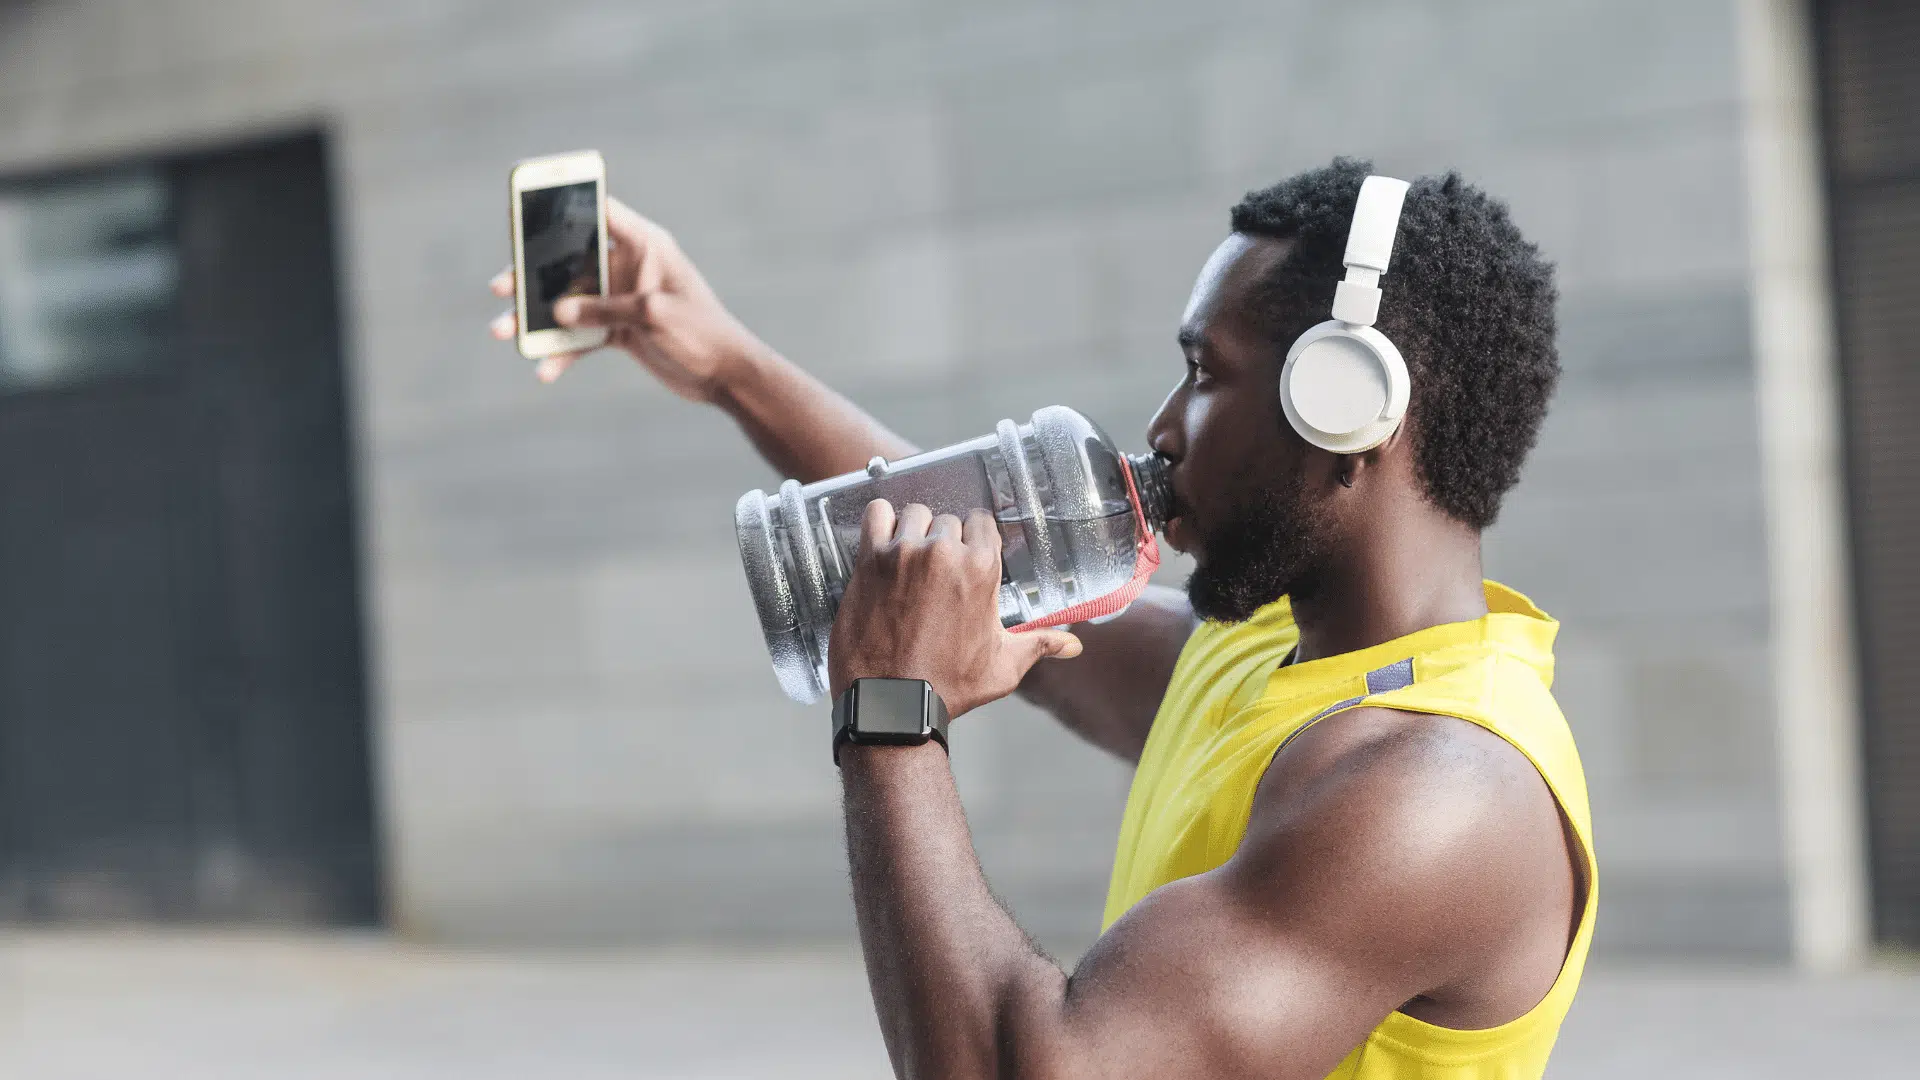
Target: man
[(1357, 841)]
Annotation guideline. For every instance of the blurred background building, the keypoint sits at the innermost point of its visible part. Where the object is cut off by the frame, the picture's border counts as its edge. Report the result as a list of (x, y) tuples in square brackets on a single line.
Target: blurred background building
[(315, 608)]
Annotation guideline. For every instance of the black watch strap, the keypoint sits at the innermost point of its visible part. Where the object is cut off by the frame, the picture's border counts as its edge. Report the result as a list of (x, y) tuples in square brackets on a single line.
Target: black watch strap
[(888, 712)]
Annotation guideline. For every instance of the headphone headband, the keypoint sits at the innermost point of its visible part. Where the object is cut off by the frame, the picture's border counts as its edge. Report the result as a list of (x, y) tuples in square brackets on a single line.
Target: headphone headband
[(1376, 219)]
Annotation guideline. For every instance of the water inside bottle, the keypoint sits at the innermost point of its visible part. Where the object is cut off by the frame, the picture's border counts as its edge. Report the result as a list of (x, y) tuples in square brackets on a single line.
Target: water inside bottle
[(1093, 557)]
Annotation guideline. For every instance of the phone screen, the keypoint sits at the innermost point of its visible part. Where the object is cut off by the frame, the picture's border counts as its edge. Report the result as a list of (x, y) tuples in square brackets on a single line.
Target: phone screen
[(560, 236)]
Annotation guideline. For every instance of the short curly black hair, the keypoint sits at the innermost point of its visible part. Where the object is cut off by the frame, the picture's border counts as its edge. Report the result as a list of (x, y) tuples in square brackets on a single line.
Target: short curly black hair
[(1468, 301)]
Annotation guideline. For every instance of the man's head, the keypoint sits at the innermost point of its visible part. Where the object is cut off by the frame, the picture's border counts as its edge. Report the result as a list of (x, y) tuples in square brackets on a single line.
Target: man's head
[(1468, 301)]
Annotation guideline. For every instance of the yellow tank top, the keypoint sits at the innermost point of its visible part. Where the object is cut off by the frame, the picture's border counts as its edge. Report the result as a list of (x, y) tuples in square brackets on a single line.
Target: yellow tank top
[(1230, 707)]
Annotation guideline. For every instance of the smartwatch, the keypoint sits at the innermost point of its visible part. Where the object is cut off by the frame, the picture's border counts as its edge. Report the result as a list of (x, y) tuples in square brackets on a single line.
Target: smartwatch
[(888, 712)]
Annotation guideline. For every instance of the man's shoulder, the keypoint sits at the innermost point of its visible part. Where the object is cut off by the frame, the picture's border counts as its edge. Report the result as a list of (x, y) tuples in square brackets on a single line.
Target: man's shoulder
[(1423, 838), (1413, 755), (1441, 801)]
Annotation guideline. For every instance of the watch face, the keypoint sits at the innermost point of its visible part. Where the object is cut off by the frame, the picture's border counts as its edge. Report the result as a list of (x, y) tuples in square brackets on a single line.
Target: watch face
[(891, 707)]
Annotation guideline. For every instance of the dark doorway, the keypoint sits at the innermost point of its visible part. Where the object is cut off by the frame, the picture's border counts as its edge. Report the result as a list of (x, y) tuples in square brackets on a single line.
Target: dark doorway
[(183, 719), (1870, 86)]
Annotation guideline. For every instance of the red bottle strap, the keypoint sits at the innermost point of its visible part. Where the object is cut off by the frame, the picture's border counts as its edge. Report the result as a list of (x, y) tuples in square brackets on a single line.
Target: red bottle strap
[(1146, 561)]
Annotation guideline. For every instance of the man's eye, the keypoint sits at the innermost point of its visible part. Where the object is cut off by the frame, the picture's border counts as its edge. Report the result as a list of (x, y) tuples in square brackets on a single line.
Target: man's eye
[(1197, 374)]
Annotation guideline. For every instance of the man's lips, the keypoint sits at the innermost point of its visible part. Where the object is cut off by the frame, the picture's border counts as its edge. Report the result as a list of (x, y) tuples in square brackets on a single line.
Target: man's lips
[(1174, 532)]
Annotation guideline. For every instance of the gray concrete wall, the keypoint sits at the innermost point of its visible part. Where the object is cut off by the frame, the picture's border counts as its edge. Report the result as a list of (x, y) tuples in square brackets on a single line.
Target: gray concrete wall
[(956, 212)]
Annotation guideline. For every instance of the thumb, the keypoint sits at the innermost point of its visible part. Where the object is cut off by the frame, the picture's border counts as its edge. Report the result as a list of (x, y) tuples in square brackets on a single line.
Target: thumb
[(577, 311), (1038, 645)]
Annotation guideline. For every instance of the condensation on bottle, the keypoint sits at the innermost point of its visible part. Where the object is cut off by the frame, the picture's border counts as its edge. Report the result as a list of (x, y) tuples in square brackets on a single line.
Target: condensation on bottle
[(1057, 486)]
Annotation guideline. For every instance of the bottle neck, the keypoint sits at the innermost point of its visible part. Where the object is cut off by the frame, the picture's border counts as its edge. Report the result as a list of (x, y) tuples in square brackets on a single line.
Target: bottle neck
[(1151, 480)]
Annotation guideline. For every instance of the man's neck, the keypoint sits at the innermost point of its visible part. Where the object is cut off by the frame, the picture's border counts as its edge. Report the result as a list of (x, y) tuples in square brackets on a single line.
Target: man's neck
[(1419, 571)]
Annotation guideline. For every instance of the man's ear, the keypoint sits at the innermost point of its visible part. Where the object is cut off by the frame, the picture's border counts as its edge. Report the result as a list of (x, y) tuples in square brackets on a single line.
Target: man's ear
[(1352, 465)]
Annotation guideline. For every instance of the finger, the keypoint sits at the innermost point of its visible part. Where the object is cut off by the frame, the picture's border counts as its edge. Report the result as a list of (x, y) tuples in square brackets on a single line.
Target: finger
[(980, 539), (914, 522), (945, 527), (502, 283), (552, 367), (981, 530), (503, 326), (876, 528)]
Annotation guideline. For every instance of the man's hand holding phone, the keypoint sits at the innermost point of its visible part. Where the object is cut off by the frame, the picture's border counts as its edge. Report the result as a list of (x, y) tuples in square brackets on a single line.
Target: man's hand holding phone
[(657, 307)]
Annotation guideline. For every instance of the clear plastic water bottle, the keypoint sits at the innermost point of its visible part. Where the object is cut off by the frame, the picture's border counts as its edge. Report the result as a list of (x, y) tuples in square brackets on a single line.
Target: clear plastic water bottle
[(1056, 484)]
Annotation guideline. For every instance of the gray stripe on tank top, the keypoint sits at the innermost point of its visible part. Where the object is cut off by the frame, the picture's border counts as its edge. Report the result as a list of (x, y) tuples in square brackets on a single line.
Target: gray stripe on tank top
[(1390, 678), (1382, 680)]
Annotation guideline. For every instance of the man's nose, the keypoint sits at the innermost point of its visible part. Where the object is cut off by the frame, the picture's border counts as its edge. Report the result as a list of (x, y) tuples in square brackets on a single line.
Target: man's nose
[(1165, 445), (1163, 431)]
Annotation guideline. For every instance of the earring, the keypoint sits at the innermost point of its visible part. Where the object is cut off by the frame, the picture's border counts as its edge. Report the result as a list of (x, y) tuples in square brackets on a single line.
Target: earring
[(1346, 477)]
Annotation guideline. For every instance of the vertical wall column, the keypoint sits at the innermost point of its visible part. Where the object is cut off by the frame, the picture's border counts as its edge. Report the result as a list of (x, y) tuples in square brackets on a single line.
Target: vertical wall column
[(1813, 657)]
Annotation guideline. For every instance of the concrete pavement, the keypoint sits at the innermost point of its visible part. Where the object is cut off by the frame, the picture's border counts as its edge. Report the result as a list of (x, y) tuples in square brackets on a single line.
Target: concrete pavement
[(261, 1007)]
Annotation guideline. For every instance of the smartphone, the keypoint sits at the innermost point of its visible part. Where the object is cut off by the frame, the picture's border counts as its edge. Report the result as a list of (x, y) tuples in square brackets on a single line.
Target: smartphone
[(559, 246)]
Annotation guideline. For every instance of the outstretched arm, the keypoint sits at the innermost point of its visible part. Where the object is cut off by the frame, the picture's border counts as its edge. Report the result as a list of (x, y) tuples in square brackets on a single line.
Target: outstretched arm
[(660, 310)]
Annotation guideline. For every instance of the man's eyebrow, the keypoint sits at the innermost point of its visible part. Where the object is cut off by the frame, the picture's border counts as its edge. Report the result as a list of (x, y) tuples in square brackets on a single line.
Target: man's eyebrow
[(1191, 337)]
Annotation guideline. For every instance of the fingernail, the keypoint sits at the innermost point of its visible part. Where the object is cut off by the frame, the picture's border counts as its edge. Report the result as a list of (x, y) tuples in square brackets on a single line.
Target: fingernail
[(548, 370), (501, 326), (567, 310)]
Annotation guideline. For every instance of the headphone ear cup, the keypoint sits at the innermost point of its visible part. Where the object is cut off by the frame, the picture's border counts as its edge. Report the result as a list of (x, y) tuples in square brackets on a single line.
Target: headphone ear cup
[(1344, 388)]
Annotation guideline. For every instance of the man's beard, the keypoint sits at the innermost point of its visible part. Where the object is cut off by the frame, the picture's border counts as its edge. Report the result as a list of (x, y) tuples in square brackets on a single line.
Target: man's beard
[(1263, 550)]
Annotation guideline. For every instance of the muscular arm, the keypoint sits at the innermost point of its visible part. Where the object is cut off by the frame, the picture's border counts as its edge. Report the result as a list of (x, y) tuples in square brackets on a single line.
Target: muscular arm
[(661, 311), (1391, 859)]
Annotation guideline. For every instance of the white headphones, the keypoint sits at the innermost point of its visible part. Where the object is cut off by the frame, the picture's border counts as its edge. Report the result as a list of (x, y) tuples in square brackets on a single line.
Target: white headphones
[(1344, 386)]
